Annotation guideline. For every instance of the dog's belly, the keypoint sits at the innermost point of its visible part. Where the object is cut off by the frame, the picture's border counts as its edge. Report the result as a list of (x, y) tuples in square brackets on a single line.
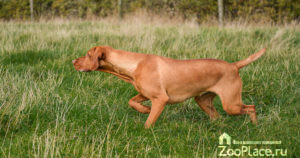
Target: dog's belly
[(178, 96), (183, 80), (180, 90)]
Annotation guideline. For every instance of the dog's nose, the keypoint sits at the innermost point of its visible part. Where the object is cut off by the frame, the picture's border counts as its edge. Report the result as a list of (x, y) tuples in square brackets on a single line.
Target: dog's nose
[(73, 61)]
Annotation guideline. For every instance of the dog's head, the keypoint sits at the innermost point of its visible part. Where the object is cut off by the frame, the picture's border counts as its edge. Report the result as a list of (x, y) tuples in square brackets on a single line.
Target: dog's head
[(92, 60)]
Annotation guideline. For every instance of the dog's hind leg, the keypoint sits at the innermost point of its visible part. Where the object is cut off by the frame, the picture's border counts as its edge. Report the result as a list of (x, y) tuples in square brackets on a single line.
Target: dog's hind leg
[(135, 103), (205, 102), (231, 97)]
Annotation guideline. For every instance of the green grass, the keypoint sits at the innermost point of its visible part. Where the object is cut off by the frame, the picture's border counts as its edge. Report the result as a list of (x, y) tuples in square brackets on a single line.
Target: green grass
[(47, 109)]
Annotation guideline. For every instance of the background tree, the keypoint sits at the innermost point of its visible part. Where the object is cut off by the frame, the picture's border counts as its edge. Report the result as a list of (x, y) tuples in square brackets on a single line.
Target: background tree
[(220, 10), (277, 11), (31, 10)]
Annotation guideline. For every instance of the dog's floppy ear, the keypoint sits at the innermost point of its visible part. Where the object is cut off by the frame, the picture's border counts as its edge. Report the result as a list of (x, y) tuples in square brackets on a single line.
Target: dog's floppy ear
[(97, 54)]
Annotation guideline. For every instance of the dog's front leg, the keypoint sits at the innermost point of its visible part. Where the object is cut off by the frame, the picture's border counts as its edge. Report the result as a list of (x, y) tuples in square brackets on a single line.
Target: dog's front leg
[(250, 110), (158, 105), (135, 103)]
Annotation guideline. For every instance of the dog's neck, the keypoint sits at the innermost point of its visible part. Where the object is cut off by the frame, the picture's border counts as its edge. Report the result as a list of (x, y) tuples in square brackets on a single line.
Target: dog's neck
[(122, 63)]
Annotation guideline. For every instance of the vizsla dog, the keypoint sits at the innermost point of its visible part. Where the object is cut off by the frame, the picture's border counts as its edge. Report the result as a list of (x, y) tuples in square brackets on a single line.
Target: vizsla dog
[(164, 80)]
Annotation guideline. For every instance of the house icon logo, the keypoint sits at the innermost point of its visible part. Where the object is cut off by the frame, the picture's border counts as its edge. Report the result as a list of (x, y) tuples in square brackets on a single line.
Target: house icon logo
[(226, 137)]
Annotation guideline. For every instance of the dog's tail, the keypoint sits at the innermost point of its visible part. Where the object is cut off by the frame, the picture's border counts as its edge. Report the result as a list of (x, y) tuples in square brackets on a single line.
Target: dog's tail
[(250, 59)]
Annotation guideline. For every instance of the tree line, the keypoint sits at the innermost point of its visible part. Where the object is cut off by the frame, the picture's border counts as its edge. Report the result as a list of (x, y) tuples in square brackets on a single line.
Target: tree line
[(277, 11)]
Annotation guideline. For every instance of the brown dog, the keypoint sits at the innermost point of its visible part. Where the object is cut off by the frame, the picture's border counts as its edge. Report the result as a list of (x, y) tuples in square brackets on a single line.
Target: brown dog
[(164, 80)]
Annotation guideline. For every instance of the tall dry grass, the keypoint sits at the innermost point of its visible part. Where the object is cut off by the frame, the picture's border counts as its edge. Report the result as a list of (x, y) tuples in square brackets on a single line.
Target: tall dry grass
[(47, 109)]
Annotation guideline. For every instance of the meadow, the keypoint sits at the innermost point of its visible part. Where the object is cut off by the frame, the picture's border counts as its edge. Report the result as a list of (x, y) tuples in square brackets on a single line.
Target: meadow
[(47, 109)]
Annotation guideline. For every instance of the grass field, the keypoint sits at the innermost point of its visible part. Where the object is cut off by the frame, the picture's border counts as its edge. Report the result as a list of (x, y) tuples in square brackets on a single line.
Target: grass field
[(47, 109)]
